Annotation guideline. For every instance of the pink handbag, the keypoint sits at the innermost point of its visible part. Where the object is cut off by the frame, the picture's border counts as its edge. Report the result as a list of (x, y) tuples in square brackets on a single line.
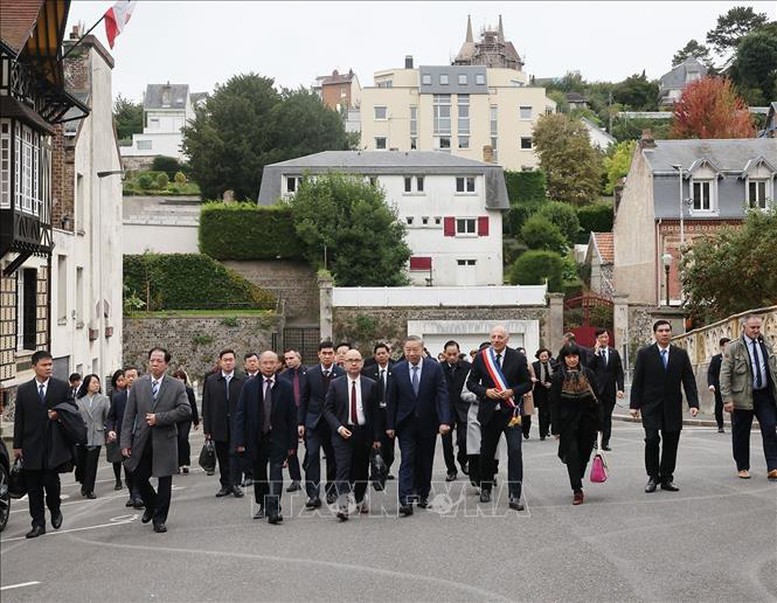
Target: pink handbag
[(598, 473)]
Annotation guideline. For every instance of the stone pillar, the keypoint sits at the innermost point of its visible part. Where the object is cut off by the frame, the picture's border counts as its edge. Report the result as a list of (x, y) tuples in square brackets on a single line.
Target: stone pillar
[(555, 319), (325, 285), (620, 320)]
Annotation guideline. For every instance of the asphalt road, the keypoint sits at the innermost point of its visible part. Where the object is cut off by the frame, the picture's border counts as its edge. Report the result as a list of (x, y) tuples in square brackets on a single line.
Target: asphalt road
[(712, 541)]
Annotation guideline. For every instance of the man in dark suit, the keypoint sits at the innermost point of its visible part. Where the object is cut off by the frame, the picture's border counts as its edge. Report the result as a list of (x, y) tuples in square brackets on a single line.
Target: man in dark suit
[(34, 421), (114, 425), (266, 433), (713, 382), (417, 410), (606, 363), (156, 404), (351, 410), (380, 370), (455, 370), (219, 399), (659, 371), (585, 353), (544, 367), (296, 374), (314, 428), (499, 410)]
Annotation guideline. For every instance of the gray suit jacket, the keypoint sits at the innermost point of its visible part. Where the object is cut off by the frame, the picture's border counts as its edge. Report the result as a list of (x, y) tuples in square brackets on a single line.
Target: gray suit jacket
[(171, 406), (94, 418)]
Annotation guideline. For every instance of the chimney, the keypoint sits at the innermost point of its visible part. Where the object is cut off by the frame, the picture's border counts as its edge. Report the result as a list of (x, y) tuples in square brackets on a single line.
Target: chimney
[(488, 153), (647, 141), (408, 61)]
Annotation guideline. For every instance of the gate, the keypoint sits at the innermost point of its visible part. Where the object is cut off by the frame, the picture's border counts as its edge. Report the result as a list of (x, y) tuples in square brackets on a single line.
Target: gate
[(584, 314), (305, 340)]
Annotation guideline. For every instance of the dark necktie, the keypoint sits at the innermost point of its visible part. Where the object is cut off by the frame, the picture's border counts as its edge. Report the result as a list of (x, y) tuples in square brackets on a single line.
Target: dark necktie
[(42, 393), (757, 359), (499, 360), (154, 389), (543, 372), (267, 403), (296, 386), (354, 412), (325, 378), (665, 358), (227, 379), (382, 380), (414, 380)]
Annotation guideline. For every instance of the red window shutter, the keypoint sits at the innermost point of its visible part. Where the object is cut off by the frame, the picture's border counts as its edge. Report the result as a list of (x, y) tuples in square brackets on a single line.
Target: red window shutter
[(449, 226), (420, 263), (483, 226)]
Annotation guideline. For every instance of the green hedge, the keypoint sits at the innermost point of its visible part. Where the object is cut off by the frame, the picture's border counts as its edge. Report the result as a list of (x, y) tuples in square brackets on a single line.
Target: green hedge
[(596, 217), (185, 281), (523, 187), (246, 231)]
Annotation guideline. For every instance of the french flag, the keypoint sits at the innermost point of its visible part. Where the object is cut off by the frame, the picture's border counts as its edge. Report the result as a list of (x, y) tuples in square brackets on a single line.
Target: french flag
[(117, 17)]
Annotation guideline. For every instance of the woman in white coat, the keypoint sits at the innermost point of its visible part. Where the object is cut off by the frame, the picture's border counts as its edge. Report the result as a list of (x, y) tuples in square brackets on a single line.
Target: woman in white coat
[(94, 407)]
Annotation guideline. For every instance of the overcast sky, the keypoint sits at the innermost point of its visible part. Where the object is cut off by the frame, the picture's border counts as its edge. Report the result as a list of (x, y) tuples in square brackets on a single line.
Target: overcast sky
[(204, 43)]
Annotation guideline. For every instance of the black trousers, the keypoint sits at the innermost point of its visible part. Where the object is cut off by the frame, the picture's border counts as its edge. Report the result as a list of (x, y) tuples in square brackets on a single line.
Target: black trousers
[(387, 444), (91, 458), (490, 434), (661, 470), (295, 472), (229, 466), (543, 414), (184, 448), (608, 406), (460, 427), (353, 462), (159, 499), (267, 492), (315, 440), (719, 409), (741, 424), (526, 425), (127, 477), (577, 442), (415, 469), (37, 482)]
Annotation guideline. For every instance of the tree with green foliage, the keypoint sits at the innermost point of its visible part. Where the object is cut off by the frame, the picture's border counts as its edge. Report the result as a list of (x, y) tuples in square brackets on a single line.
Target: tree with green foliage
[(637, 93), (564, 217), (754, 68), (733, 26), (732, 270), (693, 49), (617, 163), (246, 124), (348, 228), (540, 233), (572, 166), (597, 217), (537, 266), (128, 117)]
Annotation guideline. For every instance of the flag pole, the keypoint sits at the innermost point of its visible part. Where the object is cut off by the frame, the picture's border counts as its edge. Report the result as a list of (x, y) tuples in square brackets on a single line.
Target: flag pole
[(81, 39)]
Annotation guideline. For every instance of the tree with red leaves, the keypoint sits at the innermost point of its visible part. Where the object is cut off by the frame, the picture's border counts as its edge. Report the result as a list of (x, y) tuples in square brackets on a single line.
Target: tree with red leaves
[(711, 108)]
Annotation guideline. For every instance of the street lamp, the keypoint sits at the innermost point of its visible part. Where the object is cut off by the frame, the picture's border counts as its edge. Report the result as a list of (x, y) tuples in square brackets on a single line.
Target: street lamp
[(679, 168), (666, 260)]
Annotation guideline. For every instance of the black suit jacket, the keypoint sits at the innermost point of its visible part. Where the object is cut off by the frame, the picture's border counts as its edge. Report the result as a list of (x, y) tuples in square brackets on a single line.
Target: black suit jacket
[(429, 409), (311, 405), (713, 376), (373, 372), (249, 417), (338, 404), (609, 376), (655, 391), (515, 367), (455, 380), (304, 387), (32, 430), (217, 412), (540, 392), (116, 411)]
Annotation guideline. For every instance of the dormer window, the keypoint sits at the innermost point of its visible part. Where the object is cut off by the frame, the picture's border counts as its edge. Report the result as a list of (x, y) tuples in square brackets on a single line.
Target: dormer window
[(702, 196), (758, 193)]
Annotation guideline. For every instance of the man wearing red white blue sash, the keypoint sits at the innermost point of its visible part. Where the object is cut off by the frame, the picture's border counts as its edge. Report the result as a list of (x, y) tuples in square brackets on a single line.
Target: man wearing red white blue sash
[(499, 378)]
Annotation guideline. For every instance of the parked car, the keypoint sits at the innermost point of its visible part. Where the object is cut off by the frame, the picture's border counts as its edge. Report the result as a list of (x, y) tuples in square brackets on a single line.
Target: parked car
[(5, 495)]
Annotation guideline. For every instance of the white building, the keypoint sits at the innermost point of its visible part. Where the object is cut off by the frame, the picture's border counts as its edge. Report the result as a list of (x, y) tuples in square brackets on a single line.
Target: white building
[(452, 207), (167, 108), (86, 274)]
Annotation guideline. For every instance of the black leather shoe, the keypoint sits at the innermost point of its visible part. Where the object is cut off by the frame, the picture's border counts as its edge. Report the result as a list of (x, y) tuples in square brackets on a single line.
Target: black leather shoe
[(35, 532), (130, 503), (160, 527), (223, 492), (423, 503), (406, 510), (91, 495), (606, 447), (485, 496), (148, 515), (139, 504), (452, 475), (237, 492), (118, 486), (331, 498), (389, 476), (275, 519), (669, 486), (651, 485), (56, 520), (313, 503), (259, 514), (465, 469), (294, 486), (342, 515), (516, 505)]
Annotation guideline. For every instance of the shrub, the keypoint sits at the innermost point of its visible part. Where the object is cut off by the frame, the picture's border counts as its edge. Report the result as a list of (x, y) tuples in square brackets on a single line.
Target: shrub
[(180, 178), (564, 216), (535, 266), (183, 281), (245, 231), (597, 217), (540, 233), (516, 216), (523, 187), (162, 180), (169, 165), (145, 181)]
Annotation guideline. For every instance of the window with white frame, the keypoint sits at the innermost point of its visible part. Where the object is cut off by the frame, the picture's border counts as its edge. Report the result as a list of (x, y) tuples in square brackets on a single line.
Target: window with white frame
[(480, 79), (5, 163), (462, 79), (703, 196), (408, 184), (466, 226), (444, 143), (462, 106), (443, 79), (441, 105), (31, 167), (380, 143), (144, 145), (758, 193), (413, 120), (419, 184), (291, 184), (463, 142), (465, 184), (466, 262), (525, 112), (426, 79), (380, 112), (526, 142)]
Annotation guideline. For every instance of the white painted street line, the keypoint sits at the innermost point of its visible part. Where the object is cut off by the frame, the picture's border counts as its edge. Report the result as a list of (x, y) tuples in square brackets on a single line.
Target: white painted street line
[(113, 522), (20, 585)]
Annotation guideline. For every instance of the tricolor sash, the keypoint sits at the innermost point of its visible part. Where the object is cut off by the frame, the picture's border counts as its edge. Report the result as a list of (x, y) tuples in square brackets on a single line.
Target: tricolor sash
[(496, 374)]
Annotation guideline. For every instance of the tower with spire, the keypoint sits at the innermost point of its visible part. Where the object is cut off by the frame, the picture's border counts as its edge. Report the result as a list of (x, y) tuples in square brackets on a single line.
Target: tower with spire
[(492, 50)]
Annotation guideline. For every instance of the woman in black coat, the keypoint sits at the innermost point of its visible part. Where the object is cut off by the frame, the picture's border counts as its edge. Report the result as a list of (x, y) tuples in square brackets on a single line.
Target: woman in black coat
[(576, 416)]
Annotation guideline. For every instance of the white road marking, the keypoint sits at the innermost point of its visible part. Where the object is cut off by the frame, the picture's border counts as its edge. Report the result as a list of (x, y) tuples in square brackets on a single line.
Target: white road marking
[(20, 585), (113, 522)]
